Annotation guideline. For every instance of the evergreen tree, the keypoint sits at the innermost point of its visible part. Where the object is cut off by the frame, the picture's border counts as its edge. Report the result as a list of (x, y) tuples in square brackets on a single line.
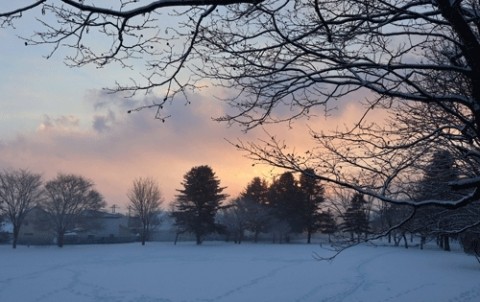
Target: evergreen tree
[(434, 185), (198, 202), (355, 218), (285, 202), (328, 225), (257, 191), (312, 195), (254, 201)]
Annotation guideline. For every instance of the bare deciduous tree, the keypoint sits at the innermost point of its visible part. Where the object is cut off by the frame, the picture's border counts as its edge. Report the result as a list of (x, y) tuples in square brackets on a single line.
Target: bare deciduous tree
[(68, 198), (145, 200), (234, 217), (283, 59), (20, 191)]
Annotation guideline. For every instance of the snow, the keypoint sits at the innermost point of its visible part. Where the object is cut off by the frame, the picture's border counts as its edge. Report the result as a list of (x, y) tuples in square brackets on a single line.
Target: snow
[(218, 271), (6, 227)]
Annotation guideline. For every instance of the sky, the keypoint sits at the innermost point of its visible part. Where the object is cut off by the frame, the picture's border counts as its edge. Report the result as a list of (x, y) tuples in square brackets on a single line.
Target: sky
[(57, 119)]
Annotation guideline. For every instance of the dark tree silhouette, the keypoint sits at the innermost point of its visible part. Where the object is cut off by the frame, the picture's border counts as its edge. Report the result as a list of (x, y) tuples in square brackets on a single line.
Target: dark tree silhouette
[(286, 204), (328, 225), (198, 202), (255, 201), (438, 173), (284, 60), (355, 218), (68, 198), (20, 191), (312, 194)]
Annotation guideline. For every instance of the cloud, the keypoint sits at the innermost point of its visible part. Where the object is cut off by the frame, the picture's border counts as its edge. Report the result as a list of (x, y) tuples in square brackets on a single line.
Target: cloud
[(61, 123), (104, 122), (118, 147), (112, 147)]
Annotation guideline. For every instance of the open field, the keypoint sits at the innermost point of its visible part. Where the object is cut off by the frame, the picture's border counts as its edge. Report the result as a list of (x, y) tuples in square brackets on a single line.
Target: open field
[(226, 272)]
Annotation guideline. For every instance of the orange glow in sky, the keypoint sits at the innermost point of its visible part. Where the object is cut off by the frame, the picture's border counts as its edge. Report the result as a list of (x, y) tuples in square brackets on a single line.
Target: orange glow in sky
[(57, 119)]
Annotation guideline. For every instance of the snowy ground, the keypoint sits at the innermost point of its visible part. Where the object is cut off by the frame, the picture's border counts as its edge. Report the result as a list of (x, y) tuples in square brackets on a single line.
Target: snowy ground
[(227, 272)]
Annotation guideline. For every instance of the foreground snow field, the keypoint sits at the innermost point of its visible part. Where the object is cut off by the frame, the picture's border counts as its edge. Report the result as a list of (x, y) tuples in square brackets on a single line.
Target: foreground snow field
[(226, 272)]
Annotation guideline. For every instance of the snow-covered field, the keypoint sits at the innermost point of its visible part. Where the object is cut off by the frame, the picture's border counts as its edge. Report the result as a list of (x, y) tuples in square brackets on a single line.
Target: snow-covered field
[(227, 272)]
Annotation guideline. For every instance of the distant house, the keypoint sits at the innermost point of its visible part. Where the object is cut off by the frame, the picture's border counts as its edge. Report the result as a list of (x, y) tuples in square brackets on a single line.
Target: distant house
[(168, 231), (6, 232), (35, 229), (94, 227), (102, 227), (165, 231)]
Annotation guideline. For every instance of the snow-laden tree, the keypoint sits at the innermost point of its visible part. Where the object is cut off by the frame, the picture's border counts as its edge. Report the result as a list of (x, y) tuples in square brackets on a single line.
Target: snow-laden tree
[(283, 60), (20, 191), (145, 200)]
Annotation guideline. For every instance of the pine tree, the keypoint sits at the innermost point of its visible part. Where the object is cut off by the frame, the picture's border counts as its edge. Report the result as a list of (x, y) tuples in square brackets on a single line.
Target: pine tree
[(434, 185), (328, 225), (198, 202), (285, 202), (355, 218), (254, 199), (312, 196)]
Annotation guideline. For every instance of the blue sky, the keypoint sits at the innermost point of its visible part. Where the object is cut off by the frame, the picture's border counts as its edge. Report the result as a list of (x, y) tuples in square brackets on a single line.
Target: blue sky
[(54, 118), (58, 119)]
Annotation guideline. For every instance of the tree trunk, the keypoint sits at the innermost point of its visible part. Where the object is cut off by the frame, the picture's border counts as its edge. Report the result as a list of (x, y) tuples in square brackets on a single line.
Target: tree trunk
[(309, 236), (405, 240), (16, 231), (440, 241), (144, 235), (255, 236), (60, 238), (446, 243), (396, 240), (199, 238)]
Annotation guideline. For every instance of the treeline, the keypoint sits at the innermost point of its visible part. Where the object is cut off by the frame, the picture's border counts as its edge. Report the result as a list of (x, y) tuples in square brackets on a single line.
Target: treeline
[(434, 222), (68, 202), (368, 218), (287, 206), (65, 200)]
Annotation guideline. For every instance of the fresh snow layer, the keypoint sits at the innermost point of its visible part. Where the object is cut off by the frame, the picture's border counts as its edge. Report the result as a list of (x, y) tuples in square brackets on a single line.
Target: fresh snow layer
[(165, 272)]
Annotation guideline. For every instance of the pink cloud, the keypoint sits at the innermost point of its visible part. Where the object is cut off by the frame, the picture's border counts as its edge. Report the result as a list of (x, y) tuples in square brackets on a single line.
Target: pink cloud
[(117, 147)]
